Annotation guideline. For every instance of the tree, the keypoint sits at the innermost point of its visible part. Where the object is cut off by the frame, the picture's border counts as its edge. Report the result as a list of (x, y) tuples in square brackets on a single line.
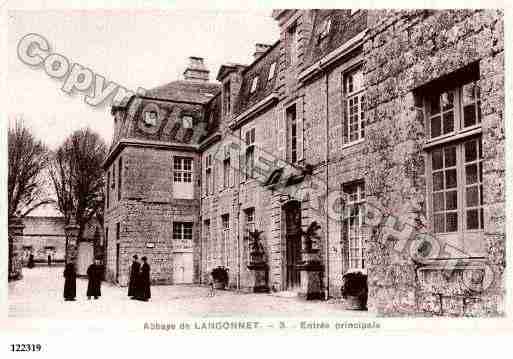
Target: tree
[(28, 158), (77, 177)]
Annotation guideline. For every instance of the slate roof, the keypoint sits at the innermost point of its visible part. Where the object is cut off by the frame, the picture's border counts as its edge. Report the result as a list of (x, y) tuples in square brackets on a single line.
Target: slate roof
[(343, 27), (259, 68), (185, 91), (213, 115)]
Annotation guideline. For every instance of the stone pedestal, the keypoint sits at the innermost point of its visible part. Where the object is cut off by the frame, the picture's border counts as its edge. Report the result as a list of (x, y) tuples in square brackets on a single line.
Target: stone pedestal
[(15, 234), (260, 271), (311, 276), (71, 231)]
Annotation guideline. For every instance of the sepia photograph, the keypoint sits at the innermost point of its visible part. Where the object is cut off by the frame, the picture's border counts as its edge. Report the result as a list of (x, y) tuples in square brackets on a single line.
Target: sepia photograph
[(240, 168)]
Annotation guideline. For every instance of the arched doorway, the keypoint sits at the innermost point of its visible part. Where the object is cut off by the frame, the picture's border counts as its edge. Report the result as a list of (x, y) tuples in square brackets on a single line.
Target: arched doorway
[(292, 255)]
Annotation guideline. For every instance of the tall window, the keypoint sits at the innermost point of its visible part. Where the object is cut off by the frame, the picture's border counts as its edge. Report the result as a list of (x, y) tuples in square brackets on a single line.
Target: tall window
[(225, 238), (182, 169), (108, 189), (272, 70), (182, 231), (292, 133), (455, 181), (354, 126), (120, 170), (254, 84), (250, 153), (206, 239), (226, 167), (249, 226), (293, 43), (226, 97), (353, 221), (209, 187)]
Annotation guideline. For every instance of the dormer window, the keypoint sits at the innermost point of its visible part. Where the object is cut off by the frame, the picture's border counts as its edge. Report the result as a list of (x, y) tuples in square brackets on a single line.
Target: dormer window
[(272, 69), (187, 122), (150, 118), (254, 84), (325, 28)]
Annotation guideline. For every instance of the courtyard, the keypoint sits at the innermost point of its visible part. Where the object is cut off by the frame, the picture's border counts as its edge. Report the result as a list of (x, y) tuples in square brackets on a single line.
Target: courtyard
[(39, 295)]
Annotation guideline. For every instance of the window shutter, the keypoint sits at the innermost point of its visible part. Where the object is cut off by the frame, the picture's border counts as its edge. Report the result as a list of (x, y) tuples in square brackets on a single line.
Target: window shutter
[(299, 129)]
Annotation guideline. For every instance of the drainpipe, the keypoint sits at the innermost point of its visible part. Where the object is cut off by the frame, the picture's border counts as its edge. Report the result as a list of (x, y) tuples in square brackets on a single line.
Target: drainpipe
[(327, 266)]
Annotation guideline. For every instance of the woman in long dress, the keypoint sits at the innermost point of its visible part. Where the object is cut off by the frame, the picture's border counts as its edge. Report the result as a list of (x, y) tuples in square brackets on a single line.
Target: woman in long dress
[(70, 282)]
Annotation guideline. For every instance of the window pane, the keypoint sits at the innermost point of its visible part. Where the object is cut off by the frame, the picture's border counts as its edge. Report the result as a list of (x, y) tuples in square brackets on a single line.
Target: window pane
[(469, 115), (468, 93), (470, 151), (448, 122), (451, 200), (439, 223), (451, 222), (438, 202), (447, 100), (450, 178), (471, 173), (438, 181), (472, 219), (437, 160), (178, 163), (434, 105), (436, 126), (450, 156), (472, 196)]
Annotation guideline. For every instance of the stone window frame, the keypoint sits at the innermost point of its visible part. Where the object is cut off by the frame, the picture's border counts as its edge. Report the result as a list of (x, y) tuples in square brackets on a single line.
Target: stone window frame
[(209, 176), (150, 118), (293, 43), (352, 95), (355, 198), (187, 122), (462, 241), (249, 225), (107, 194), (183, 169), (249, 154), (120, 170)]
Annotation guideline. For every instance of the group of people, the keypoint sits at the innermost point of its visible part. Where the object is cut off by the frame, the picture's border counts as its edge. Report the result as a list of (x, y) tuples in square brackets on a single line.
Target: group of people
[(31, 261), (94, 281), (139, 284)]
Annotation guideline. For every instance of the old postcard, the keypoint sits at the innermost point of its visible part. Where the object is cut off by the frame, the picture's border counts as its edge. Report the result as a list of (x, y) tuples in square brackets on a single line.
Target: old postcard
[(247, 171)]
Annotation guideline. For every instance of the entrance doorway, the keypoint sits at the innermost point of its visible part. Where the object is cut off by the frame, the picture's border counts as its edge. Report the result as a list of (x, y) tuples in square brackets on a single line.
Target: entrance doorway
[(182, 268), (292, 215)]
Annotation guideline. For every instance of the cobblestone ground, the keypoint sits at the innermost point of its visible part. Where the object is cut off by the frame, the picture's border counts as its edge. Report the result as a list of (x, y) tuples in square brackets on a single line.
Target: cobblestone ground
[(39, 295)]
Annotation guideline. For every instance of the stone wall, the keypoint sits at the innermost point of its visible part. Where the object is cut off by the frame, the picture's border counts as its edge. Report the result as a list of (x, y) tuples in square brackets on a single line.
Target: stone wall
[(405, 51)]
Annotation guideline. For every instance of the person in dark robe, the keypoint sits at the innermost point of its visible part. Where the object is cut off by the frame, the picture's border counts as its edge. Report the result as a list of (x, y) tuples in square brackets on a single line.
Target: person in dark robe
[(30, 263), (70, 282), (143, 284), (49, 260), (134, 277), (94, 275)]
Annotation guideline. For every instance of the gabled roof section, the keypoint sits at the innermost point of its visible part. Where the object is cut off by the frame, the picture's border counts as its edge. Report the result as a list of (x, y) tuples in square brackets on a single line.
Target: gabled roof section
[(225, 69), (185, 91), (260, 69), (343, 26), (213, 116)]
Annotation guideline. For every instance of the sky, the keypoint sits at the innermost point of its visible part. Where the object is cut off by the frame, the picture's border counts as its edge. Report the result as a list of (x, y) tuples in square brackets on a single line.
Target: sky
[(131, 48)]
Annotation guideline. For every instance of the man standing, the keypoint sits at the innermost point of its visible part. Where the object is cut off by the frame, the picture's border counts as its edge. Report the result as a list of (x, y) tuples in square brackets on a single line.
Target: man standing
[(134, 277), (143, 284), (70, 282), (94, 274), (49, 260)]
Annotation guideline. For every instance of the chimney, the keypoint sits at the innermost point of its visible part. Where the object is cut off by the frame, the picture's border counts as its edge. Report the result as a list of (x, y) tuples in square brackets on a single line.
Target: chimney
[(259, 50), (196, 70)]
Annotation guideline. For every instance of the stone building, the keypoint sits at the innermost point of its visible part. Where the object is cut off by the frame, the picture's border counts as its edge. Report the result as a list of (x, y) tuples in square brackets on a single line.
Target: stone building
[(394, 113)]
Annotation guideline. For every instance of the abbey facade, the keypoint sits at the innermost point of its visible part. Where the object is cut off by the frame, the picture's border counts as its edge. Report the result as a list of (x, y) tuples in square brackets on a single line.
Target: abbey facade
[(394, 113)]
